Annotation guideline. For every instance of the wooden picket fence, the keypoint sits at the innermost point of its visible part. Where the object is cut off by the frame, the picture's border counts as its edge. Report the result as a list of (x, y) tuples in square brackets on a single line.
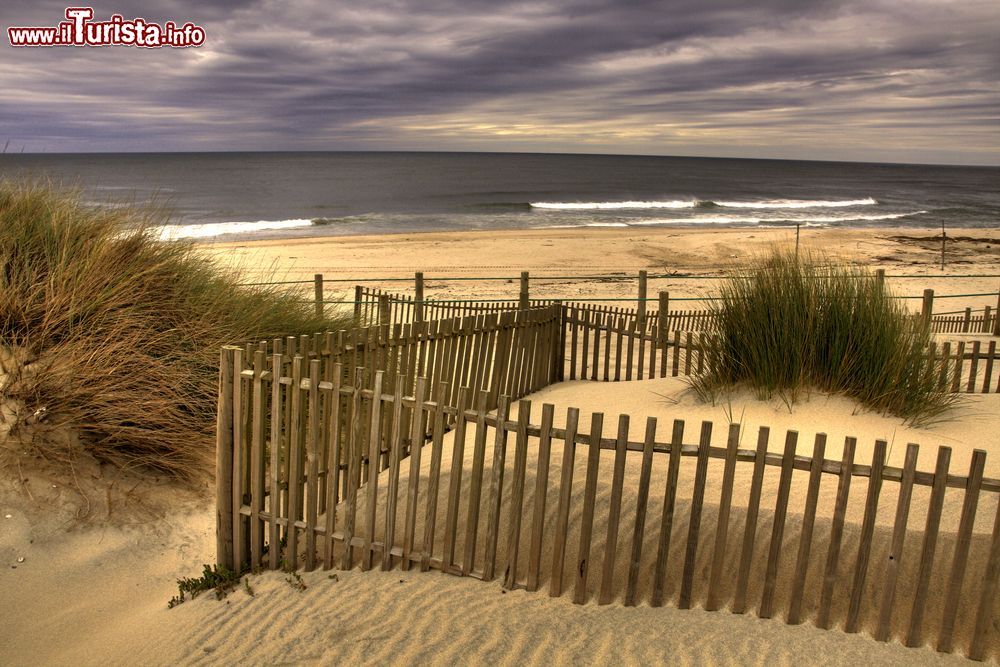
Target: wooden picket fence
[(284, 437), (404, 308), (601, 346), (496, 354), (374, 305), (319, 436)]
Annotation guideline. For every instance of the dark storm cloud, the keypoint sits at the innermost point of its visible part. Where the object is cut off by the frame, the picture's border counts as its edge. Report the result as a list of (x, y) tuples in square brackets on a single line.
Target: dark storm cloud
[(790, 78)]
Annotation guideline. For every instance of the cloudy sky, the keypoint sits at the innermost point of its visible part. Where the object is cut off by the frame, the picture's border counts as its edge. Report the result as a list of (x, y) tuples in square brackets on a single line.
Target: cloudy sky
[(873, 80)]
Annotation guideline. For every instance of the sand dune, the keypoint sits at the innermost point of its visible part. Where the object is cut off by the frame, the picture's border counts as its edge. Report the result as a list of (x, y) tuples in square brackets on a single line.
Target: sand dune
[(95, 592)]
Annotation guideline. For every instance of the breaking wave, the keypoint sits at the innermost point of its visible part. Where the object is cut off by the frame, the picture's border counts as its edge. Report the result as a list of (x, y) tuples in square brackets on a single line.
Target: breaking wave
[(700, 203)]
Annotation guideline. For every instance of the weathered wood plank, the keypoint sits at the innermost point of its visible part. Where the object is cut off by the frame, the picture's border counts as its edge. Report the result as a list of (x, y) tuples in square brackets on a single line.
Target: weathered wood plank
[(722, 528), (541, 489), (778, 528), (475, 486), (865, 541), (417, 432), (750, 530), (495, 497), (562, 511), (898, 541), (614, 512), (434, 478), (805, 536), (959, 561), (640, 512), (836, 533), (915, 635), (667, 518), (517, 493), (587, 520)]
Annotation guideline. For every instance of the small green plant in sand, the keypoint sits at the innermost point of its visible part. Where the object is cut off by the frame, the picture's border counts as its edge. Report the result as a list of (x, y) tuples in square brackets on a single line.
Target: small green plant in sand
[(294, 579), (114, 334), (786, 324), (214, 577)]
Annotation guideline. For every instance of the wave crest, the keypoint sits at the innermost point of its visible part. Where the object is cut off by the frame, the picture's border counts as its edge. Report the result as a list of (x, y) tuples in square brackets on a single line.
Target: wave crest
[(208, 230), (703, 203)]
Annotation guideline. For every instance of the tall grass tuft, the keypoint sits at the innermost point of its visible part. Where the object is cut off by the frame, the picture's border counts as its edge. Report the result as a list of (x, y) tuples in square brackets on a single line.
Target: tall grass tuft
[(113, 335), (785, 324)]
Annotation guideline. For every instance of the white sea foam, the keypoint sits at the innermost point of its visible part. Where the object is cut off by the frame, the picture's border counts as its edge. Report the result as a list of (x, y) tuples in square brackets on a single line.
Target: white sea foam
[(614, 205), (798, 203), (694, 203), (753, 220), (172, 232), (586, 224)]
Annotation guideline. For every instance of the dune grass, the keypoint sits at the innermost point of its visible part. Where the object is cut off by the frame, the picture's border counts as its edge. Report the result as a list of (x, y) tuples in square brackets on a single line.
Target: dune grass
[(787, 324), (115, 335)]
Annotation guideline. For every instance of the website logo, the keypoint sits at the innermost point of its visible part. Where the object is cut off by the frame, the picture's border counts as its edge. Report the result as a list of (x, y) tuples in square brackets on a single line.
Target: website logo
[(80, 30)]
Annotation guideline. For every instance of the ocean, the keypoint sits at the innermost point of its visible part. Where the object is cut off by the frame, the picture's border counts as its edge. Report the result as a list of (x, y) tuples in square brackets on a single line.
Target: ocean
[(266, 195)]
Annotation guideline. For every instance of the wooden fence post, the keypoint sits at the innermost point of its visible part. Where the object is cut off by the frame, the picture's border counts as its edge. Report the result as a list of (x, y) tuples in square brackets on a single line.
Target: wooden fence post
[(996, 321), (383, 310), (224, 460), (641, 310), (927, 308), (357, 306), (418, 299), (880, 279), (318, 287), (664, 313), (559, 354), (523, 297)]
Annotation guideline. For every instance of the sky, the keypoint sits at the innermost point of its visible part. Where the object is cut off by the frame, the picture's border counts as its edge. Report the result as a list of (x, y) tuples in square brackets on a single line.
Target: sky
[(866, 80)]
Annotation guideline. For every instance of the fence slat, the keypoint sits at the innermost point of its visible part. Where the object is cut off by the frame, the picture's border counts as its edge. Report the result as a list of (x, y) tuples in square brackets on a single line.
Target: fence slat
[(915, 635), (722, 529), (541, 489), (667, 519), (434, 478), (805, 536), (778, 528), (836, 533), (224, 448), (694, 525), (640, 511), (273, 541), (562, 512), (295, 466), (392, 485), (257, 461), (517, 493), (495, 497), (455, 480), (865, 541), (417, 432), (312, 464), (614, 512), (988, 371), (961, 557), (587, 520), (898, 541), (475, 486), (987, 596), (750, 531)]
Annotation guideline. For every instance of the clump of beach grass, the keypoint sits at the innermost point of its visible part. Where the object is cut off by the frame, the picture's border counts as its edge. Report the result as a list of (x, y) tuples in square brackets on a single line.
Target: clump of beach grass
[(786, 324), (114, 335)]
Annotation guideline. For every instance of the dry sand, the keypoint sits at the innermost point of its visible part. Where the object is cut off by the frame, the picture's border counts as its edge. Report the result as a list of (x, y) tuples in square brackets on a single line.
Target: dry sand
[(576, 252), (95, 591)]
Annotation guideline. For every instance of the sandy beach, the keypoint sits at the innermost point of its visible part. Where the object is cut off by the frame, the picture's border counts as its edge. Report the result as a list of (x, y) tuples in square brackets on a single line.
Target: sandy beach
[(88, 568), (915, 253)]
